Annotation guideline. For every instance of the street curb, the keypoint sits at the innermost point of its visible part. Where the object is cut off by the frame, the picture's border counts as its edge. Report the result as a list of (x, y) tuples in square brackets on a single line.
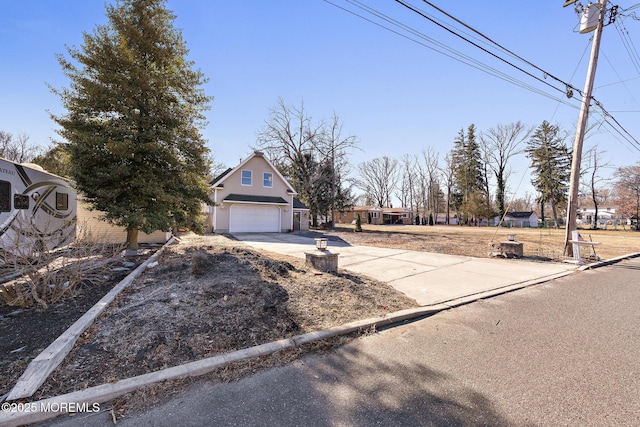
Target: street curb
[(107, 392), (609, 261), (39, 369)]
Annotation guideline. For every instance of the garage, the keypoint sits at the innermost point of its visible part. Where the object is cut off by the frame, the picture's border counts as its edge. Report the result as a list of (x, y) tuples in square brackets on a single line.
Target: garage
[(254, 219)]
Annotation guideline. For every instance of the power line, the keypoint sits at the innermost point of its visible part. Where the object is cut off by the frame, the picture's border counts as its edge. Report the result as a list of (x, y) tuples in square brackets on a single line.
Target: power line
[(627, 42), (425, 16), (453, 54), (465, 59)]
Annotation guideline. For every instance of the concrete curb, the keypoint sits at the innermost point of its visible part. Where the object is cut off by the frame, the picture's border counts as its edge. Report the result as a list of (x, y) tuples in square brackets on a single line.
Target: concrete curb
[(609, 261), (106, 392), (39, 369)]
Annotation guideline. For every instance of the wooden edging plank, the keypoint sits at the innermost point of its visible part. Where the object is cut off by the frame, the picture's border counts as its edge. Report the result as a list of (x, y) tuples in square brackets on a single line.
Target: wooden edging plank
[(40, 367), (106, 392)]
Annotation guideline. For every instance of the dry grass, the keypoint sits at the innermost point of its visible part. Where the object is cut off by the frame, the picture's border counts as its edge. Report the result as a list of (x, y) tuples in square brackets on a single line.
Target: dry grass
[(212, 295), (474, 241)]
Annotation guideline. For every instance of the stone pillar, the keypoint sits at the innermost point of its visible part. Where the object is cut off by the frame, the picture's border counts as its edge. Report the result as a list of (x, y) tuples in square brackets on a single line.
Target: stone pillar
[(323, 261)]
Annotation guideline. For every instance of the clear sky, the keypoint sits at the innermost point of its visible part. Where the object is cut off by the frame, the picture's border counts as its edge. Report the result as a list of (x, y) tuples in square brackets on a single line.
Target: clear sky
[(397, 96)]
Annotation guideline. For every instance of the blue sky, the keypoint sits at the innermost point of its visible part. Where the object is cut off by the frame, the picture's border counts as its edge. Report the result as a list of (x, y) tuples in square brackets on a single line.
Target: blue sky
[(398, 97)]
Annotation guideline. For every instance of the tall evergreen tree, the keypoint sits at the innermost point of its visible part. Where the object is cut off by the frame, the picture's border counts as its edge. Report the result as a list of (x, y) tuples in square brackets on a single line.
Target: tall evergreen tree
[(468, 173), (134, 110), (551, 164)]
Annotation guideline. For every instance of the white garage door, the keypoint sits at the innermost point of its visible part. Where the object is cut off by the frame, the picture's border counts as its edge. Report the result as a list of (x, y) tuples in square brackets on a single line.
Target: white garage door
[(254, 219)]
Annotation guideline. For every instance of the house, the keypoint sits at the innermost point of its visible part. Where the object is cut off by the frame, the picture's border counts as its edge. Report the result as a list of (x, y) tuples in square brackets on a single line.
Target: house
[(368, 215), (605, 214), (255, 197), (393, 215), (374, 215), (90, 227), (519, 219)]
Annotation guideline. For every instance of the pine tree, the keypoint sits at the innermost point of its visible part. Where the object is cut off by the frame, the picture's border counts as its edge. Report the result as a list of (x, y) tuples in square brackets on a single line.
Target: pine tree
[(134, 110), (468, 173), (551, 164)]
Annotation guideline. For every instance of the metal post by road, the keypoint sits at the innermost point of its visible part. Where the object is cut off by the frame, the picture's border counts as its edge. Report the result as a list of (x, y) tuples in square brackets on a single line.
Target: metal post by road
[(572, 202)]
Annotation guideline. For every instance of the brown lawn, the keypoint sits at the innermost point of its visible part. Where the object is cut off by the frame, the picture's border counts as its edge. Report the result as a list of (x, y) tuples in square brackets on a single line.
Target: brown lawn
[(474, 241)]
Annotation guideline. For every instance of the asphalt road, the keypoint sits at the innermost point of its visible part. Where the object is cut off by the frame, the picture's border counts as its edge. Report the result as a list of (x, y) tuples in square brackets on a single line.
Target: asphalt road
[(562, 353)]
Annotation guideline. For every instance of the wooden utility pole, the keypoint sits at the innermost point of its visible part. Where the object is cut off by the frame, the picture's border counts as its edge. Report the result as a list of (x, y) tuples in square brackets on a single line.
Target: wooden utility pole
[(572, 203)]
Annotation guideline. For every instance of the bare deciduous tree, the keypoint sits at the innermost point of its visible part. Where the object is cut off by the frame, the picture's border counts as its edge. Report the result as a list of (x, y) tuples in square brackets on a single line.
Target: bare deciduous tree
[(408, 181), (500, 144), (379, 178), (448, 174), (17, 149), (311, 154), (592, 179), (628, 191), (430, 158), (288, 134), (523, 204), (334, 146)]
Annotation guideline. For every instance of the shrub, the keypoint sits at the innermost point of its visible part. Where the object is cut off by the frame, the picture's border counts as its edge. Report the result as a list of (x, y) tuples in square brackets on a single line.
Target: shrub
[(50, 275)]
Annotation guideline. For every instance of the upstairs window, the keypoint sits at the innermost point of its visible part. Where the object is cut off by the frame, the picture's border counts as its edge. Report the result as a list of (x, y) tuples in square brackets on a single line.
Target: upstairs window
[(246, 177), (267, 180)]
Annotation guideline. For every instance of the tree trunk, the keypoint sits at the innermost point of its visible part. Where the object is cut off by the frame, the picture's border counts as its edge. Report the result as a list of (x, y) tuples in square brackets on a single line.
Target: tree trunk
[(500, 194), (132, 239)]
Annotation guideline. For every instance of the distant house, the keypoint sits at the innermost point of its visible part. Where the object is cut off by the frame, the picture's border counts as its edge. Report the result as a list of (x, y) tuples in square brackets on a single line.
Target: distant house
[(374, 215), (605, 214), (368, 214), (254, 197), (519, 219)]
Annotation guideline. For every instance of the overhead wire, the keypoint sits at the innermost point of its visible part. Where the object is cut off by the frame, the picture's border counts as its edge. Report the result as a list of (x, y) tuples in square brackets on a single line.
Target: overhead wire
[(467, 60), (618, 75), (424, 15), (627, 43), (453, 54)]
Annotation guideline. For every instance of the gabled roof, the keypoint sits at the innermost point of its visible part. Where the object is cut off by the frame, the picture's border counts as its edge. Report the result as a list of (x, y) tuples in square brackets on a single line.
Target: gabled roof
[(219, 180), (215, 180)]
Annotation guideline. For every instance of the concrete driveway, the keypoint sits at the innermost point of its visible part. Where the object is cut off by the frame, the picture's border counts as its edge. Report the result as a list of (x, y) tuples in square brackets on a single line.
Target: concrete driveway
[(429, 278)]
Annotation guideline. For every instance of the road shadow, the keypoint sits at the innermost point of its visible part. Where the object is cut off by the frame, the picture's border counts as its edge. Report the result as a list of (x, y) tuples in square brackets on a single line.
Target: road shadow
[(343, 387)]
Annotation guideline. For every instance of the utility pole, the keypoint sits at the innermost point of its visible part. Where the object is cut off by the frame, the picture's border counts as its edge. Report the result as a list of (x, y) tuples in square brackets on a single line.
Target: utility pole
[(572, 205)]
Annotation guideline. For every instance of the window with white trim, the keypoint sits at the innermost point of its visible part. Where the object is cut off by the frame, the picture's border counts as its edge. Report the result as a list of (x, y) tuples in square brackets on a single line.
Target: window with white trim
[(267, 180), (246, 177), (375, 214), (405, 215)]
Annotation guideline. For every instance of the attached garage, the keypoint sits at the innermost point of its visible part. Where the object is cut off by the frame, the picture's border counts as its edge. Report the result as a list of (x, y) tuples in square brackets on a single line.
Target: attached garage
[(254, 219)]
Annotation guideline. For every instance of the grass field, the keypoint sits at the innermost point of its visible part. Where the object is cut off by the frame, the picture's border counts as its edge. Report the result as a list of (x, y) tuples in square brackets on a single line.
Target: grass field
[(474, 241)]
